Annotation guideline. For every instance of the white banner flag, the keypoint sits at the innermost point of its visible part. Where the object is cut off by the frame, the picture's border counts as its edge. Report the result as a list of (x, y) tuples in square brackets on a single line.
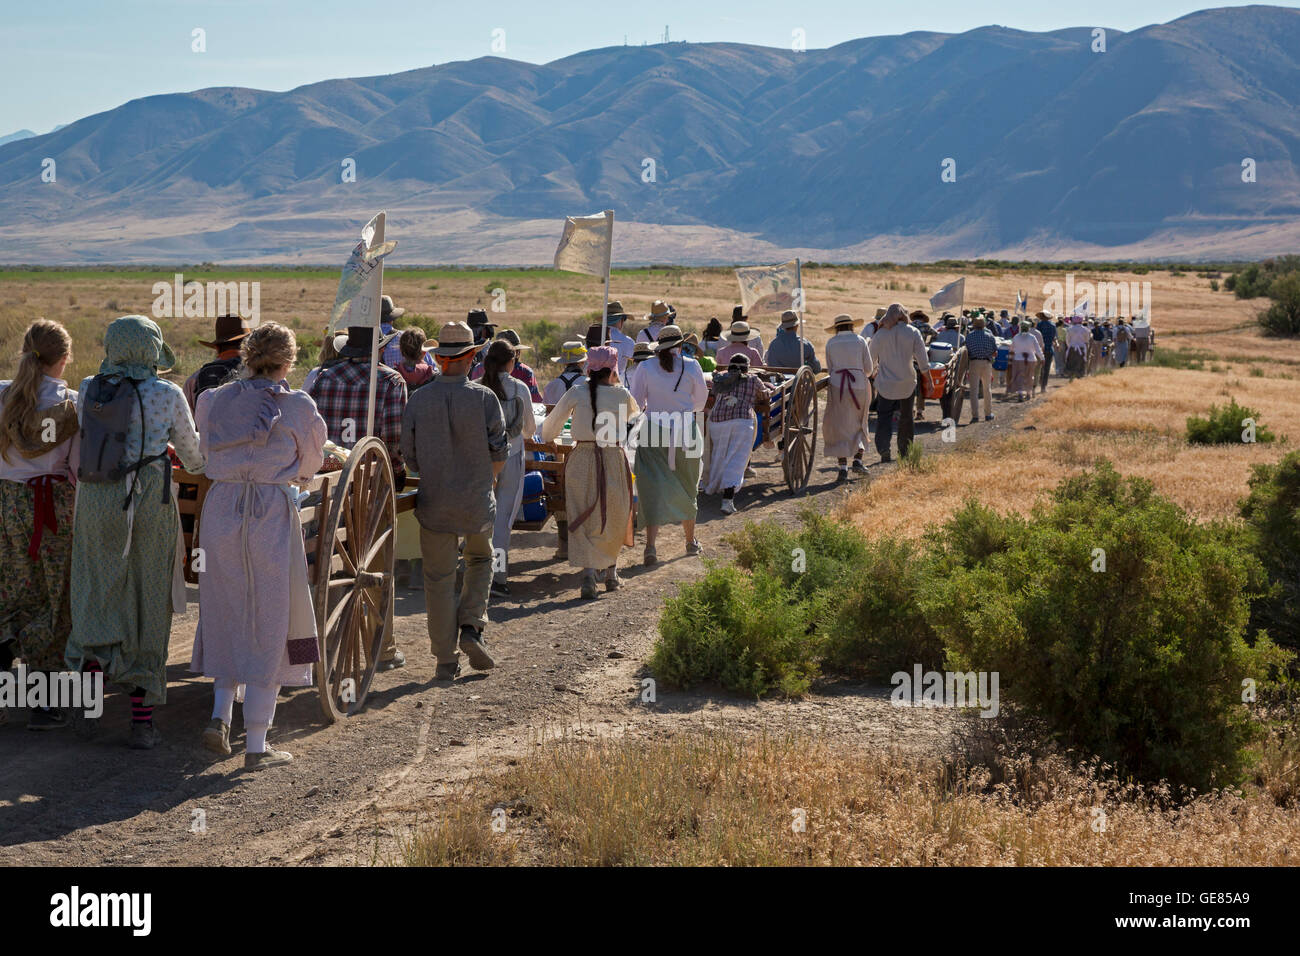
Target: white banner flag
[(950, 296), (587, 244), (360, 285), (770, 288)]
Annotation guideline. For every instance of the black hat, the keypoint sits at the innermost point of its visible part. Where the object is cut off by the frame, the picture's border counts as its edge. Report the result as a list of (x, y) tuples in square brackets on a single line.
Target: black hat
[(738, 314), (593, 336), (358, 344)]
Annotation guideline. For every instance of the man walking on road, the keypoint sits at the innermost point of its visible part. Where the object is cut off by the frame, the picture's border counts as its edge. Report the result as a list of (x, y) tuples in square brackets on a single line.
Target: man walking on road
[(454, 436), (900, 355)]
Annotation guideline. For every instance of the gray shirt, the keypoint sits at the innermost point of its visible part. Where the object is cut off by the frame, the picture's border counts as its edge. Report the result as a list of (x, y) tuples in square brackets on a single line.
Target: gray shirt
[(452, 432), (789, 351), (899, 352)]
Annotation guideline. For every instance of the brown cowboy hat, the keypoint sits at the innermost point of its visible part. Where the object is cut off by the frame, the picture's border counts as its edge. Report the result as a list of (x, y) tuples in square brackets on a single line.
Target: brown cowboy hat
[(614, 311), (789, 319), (229, 330), (843, 321), (388, 311)]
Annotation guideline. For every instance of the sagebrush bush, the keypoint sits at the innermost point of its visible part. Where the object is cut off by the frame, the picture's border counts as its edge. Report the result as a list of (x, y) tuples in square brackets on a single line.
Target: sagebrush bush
[(1141, 663), (1272, 514), (1226, 425)]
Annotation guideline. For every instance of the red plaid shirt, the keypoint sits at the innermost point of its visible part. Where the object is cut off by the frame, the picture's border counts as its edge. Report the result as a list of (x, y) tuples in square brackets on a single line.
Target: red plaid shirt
[(340, 393)]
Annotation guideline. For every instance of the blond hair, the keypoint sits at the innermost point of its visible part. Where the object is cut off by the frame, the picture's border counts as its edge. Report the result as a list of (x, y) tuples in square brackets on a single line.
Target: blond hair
[(44, 344), (267, 348)]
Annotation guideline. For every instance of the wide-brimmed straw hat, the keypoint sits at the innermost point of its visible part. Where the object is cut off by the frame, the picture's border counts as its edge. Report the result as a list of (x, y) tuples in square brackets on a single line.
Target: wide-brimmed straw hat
[(1046, 315), (455, 339), (357, 343), (670, 336), (789, 319), (740, 332), (880, 314), (570, 352), (229, 330), (614, 311), (642, 351), (661, 310), (843, 322)]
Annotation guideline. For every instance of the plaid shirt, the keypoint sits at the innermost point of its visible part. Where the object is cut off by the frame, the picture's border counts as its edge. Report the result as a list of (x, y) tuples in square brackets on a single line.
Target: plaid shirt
[(981, 346), (340, 393), (736, 403)]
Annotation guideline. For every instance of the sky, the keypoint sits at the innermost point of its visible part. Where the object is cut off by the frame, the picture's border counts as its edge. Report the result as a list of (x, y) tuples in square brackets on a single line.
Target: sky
[(66, 59)]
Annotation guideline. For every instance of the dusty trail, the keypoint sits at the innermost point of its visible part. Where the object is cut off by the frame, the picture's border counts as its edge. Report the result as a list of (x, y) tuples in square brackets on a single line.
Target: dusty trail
[(563, 666)]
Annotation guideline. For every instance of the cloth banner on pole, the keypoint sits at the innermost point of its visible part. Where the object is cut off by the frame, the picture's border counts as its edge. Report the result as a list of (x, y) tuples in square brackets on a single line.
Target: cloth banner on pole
[(362, 280), (953, 294), (769, 288), (586, 244), (1081, 309)]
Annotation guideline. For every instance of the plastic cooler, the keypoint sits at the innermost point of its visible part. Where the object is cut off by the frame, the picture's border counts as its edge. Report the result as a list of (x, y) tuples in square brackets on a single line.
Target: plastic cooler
[(940, 353), (1003, 358), (936, 379), (534, 503)]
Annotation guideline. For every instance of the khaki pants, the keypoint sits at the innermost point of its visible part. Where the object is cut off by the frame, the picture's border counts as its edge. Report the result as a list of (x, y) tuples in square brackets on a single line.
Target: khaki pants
[(980, 374), (448, 612)]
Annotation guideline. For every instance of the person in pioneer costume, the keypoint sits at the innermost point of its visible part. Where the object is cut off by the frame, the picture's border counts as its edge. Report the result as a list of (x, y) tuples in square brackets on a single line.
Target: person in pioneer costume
[(691, 349), (227, 364), (126, 551), (517, 408), (38, 464), (741, 340), (788, 350), (597, 479), (1026, 350), (390, 353), (484, 332), (1077, 342), (454, 434), (256, 624), (615, 318), (1123, 341), (711, 340), (414, 366), (521, 371), (850, 363), (573, 355), (661, 314), (736, 394), (899, 352), (672, 392)]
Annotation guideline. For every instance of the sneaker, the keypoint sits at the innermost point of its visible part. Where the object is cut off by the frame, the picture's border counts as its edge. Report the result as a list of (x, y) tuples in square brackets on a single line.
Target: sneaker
[(589, 586), (144, 735), (858, 466), (694, 549), (728, 506), (271, 758), (750, 472), (472, 643), (393, 663), (46, 718), (651, 557), (988, 418), (217, 737), (448, 672), (612, 582)]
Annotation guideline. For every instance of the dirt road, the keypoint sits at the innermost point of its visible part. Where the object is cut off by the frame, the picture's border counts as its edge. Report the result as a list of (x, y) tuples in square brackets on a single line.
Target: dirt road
[(563, 666)]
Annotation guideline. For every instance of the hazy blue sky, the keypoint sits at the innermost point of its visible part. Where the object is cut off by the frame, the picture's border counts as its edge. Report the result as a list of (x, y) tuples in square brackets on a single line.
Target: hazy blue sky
[(66, 60)]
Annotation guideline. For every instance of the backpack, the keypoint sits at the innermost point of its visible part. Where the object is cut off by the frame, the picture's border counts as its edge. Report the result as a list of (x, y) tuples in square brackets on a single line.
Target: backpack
[(105, 419), (215, 374)]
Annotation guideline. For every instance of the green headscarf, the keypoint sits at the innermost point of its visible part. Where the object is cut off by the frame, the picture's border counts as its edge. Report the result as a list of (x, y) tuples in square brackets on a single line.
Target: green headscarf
[(134, 347)]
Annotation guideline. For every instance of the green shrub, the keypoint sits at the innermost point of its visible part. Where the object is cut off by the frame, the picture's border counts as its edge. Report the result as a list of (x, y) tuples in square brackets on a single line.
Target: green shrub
[(1141, 663), (742, 631), (1272, 513), (1283, 316), (878, 626), (1226, 425)]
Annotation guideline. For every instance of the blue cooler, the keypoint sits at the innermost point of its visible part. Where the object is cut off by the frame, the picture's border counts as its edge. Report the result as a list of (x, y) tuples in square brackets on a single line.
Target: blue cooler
[(534, 503), (1003, 358)]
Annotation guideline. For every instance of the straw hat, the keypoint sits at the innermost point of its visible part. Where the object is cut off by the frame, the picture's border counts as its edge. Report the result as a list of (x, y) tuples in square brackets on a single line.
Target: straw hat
[(455, 339), (641, 352), (670, 336), (739, 332), (880, 314), (661, 311), (789, 319), (845, 322), (614, 311), (570, 352)]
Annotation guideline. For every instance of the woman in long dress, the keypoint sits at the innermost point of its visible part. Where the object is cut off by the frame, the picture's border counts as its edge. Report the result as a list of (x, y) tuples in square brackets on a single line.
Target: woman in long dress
[(848, 399), (670, 448), (256, 624), (1026, 353), (125, 559), (597, 479), (736, 395), (517, 406)]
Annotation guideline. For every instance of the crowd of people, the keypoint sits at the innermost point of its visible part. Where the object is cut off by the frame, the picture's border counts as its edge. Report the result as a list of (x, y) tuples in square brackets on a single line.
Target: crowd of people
[(91, 546)]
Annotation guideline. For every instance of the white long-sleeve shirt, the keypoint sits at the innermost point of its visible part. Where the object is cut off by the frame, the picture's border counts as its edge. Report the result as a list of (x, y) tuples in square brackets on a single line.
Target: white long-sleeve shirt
[(849, 350), (1025, 346), (670, 396), (898, 351)]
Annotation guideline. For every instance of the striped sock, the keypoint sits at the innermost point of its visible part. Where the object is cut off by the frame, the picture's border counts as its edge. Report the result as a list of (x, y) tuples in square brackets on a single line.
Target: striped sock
[(140, 714)]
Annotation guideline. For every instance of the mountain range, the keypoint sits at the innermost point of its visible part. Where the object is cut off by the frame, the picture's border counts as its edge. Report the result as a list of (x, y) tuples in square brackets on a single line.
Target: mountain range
[(1174, 140)]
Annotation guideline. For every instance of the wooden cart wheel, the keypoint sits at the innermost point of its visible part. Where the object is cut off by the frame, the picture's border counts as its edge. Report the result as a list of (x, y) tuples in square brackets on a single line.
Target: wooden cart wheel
[(354, 586), (799, 429), (961, 365)]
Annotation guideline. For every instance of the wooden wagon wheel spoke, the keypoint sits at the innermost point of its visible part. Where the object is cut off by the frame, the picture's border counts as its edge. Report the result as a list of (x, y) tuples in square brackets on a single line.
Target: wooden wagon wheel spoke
[(344, 606)]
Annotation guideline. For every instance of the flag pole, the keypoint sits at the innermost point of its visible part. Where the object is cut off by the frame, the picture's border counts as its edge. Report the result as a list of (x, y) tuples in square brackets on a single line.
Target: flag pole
[(798, 284), (609, 255), (377, 239)]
